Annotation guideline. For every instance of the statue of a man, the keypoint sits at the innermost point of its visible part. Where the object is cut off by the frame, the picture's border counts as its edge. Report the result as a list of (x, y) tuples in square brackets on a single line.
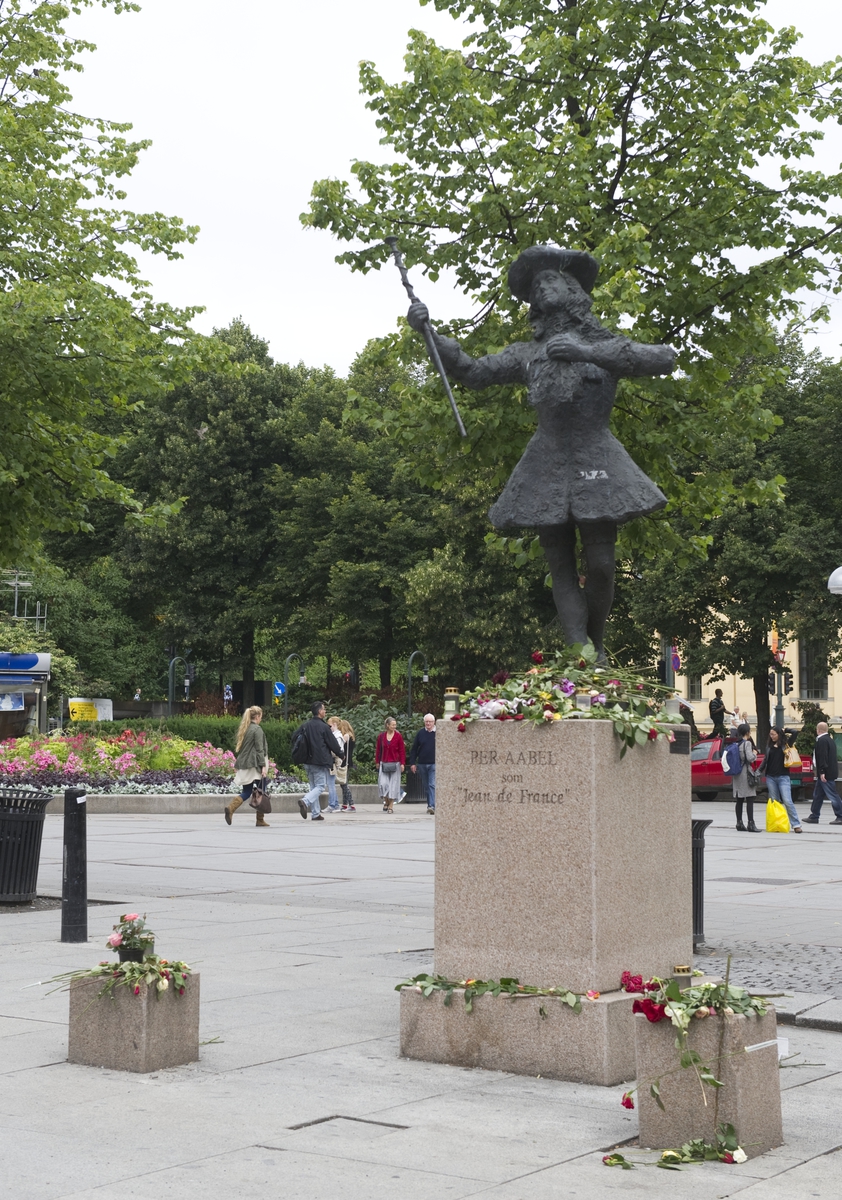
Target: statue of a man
[(574, 473)]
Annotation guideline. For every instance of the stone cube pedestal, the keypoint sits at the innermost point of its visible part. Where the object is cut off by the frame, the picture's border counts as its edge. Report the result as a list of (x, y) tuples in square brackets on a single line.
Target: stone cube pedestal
[(561, 864), (750, 1098), (502, 1034), (557, 861), (147, 1032)]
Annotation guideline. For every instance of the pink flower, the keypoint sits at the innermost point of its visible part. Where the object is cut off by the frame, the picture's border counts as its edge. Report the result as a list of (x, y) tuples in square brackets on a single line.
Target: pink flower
[(131, 916), (592, 995), (137, 990), (631, 983), (626, 1102), (115, 940)]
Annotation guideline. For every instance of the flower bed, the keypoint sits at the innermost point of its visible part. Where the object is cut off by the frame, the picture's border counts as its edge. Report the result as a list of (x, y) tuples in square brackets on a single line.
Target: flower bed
[(137, 764)]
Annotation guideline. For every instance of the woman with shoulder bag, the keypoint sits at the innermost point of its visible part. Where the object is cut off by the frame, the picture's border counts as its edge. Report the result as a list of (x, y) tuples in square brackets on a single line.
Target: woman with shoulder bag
[(346, 729), (745, 783), (390, 760), (252, 761), (777, 775)]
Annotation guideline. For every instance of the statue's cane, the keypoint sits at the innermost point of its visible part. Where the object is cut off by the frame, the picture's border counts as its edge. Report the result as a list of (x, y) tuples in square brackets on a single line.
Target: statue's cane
[(432, 348)]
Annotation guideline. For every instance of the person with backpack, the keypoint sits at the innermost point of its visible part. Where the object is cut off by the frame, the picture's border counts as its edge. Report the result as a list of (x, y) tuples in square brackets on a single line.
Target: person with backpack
[(314, 747), (741, 755), (252, 761)]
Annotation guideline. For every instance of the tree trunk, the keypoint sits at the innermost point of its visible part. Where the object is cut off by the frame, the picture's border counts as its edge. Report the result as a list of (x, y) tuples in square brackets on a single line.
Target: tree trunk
[(248, 670), (386, 645), (761, 701)]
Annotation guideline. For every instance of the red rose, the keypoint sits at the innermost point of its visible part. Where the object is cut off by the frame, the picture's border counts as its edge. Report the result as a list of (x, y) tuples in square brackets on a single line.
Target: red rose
[(537, 657), (727, 1157), (461, 726), (627, 1101), (652, 735), (631, 983), (652, 1011), (458, 717), (651, 986), (519, 717)]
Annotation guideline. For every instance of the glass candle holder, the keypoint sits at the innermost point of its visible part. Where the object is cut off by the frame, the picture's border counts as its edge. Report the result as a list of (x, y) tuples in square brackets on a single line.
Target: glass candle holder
[(583, 701), (451, 701)]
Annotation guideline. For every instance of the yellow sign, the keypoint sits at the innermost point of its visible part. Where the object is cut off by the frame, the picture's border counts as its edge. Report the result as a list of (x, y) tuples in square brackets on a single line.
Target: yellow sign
[(82, 710)]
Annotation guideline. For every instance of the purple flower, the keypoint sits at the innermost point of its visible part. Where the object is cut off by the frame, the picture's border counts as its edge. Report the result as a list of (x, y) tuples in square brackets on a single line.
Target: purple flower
[(599, 699), (567, 687)]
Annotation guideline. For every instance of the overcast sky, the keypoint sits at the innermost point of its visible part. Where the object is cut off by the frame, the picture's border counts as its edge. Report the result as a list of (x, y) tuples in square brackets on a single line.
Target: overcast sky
[(247, 104)]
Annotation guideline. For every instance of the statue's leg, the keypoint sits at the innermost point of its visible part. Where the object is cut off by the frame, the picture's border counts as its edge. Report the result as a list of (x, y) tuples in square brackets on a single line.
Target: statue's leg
[(559, 545), (599, 541)]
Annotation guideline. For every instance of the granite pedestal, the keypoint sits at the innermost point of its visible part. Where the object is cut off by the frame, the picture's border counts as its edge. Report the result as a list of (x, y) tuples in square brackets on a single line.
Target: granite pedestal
[(145, 1032), (562, 864), (530, 1035), (750, 1098)]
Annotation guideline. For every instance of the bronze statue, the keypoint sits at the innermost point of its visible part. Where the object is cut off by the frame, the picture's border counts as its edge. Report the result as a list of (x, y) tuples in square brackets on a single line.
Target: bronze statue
[(574, 473)]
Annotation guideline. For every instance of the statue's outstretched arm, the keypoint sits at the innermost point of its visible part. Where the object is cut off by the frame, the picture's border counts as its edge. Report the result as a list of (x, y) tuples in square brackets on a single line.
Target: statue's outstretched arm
[(619, 355), (505, 367)]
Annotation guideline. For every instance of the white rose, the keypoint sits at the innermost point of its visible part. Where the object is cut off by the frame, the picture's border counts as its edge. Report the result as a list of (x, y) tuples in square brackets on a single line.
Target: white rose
[(163, 984), (740, 1155)]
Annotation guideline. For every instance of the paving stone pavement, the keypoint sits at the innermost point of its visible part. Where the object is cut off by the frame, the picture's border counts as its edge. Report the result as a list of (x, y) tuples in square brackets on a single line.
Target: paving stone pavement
[(301, 933)]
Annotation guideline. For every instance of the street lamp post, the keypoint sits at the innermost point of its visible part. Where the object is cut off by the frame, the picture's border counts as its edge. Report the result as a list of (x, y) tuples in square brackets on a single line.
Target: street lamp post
[(780, 655), (302, 678), (425, 678), (171, 681)]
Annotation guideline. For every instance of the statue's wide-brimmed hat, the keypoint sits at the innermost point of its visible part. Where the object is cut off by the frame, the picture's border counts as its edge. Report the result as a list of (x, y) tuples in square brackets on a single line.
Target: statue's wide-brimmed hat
[(582, 266)]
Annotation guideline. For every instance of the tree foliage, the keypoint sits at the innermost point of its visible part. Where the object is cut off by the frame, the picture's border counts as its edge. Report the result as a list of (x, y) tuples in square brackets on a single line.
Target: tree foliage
[(768, 563), (81, 338), (663, 136)]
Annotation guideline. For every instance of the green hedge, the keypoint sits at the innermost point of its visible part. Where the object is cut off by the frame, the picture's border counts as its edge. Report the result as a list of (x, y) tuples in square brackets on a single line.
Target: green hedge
[(367, 719)]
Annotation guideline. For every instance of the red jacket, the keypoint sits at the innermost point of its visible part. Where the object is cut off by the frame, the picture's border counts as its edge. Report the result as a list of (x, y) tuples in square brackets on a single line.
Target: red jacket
[(394, 751)]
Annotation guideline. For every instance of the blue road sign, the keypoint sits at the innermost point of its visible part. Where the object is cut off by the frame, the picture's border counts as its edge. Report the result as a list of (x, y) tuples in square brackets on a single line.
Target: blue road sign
[(278, 689)]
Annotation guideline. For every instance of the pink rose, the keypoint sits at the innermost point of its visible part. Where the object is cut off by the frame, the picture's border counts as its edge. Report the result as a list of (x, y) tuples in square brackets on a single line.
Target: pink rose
[(115, 940), (130, 917)]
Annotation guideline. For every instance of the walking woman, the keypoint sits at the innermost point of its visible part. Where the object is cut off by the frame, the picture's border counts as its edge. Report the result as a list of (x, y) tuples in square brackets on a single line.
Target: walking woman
[(346, 731), (744, 789), (252, 761), (777, 776), (390, 760)]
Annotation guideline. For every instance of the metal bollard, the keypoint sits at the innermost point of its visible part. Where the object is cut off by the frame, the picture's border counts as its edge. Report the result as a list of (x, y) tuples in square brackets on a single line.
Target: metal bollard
[(74, 880), (699, 828)]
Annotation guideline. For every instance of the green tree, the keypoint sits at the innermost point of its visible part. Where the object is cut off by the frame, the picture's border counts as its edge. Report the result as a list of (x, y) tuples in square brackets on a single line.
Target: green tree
[(81, 338), (214, 442), (351, 522), (768, 563), (648, 132)]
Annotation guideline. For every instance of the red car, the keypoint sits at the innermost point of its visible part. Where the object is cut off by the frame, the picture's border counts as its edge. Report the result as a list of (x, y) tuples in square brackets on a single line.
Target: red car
[(708, 778)]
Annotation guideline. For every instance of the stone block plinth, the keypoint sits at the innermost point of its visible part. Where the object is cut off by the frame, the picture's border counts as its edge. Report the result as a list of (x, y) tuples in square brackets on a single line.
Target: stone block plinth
[(558, 861), (529, 1035), (145, 1032), (750, 1098)]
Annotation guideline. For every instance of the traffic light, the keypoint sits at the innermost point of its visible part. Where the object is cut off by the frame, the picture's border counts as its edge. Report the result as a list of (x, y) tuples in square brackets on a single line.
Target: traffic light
[(191, 672), (772, 682), (789, 683)]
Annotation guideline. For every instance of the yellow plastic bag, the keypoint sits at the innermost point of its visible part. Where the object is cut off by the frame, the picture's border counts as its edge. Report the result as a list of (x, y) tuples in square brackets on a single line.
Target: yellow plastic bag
[(777, 820)]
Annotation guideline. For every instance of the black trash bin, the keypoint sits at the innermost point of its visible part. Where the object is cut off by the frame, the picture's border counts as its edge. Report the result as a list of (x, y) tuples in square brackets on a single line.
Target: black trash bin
[(22, 813)]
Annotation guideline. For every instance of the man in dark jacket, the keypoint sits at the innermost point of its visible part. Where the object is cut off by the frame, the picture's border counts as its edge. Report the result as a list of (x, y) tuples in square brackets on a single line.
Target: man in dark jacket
[(827, 772), (320, 757), (422, 760)]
